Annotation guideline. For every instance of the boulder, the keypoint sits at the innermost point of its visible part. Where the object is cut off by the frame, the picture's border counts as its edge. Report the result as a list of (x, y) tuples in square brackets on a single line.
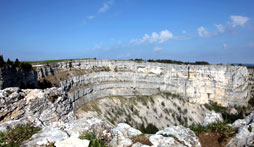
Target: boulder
[(175, 136), (122, 135), (73, 142), (212, 117), (119, 140), (45, 136), (126, 130), (85, 125)]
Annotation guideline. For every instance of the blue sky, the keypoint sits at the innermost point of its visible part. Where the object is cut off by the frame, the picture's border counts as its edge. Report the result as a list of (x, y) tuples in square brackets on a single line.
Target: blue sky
[(218, 31)]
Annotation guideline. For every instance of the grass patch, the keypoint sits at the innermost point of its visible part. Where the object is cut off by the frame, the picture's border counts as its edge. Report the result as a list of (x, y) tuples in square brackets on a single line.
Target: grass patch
[(94, 142), (221, 128), (15, 137)]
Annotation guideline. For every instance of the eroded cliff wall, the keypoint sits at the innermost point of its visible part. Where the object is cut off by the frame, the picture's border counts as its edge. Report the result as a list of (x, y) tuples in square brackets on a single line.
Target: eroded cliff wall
[(86, 80)]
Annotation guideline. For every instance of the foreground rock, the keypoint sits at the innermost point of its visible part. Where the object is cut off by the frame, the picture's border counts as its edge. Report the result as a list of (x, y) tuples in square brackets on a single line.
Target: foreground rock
[(72, 142), (41, 107), (245, 135), (123, 134), (175, 136)]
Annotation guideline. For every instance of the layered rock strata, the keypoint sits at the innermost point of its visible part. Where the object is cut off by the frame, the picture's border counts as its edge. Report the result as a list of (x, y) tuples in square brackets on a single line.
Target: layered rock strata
[(86, 80)]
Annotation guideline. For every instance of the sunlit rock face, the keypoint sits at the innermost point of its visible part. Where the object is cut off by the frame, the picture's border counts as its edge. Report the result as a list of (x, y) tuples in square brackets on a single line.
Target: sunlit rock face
[(86, 80)]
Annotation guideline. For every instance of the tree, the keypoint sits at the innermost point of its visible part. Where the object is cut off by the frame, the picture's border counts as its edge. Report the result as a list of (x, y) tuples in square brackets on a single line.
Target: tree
[(16, 63), (9, 62), (1, 61)]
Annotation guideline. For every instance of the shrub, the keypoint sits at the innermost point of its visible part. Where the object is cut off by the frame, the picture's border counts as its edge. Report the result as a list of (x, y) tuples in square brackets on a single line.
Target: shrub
[(94, 142), (215, 106), (163, 104), (149, 129), (26, 66), (15, 137), (221, 128)]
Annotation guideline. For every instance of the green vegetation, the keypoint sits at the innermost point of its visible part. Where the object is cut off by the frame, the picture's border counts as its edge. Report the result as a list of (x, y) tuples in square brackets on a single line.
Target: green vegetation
[(221, 128), (56, 61), (142, 139), (228, 118), (215, 106), (149, 129), (15, 137), (250, 129), (8, 92), (94, 142), (23, 65), (251, 101), (171, 61)]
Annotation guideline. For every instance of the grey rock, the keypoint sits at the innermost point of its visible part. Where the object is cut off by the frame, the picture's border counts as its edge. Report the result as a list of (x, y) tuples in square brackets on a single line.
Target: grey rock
[(73, 142), (85, 125), (175, 136), (138, 144), (119, 140), (12, 124), (245, 133), (126, 130), (45, 136), (212, 117)]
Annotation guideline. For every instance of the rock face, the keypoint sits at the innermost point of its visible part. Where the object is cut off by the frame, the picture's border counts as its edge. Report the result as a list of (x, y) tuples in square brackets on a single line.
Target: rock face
[(90, 79), (245, 133), (15, 77), (39, 106)]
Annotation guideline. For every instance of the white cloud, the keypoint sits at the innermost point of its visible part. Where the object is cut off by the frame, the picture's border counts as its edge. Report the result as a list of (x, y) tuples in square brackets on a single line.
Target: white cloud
[(155, 37), (156, 49), (106, 6), (165, 36), (90, 17), (220, 28), (238, 20), (225, 46), (202, 32)]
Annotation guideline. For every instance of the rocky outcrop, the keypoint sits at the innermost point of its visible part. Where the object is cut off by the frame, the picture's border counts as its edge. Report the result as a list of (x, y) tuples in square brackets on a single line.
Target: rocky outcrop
[(245, 133), (86, 80), (40, 106), (175, 136), (67, 134)]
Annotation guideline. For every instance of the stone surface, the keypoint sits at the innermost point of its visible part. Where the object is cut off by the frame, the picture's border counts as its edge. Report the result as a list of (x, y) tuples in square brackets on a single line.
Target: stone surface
[(85, 125), (175, 136), (119, 140), (138, 144), (122, 135), (45, 136), (126, 130), (245, 133), (72, 142), (12, 124), (212, 117)]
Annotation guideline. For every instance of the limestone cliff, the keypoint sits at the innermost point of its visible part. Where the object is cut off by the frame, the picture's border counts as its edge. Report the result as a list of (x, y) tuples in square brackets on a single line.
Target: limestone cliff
[(86, 80)]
